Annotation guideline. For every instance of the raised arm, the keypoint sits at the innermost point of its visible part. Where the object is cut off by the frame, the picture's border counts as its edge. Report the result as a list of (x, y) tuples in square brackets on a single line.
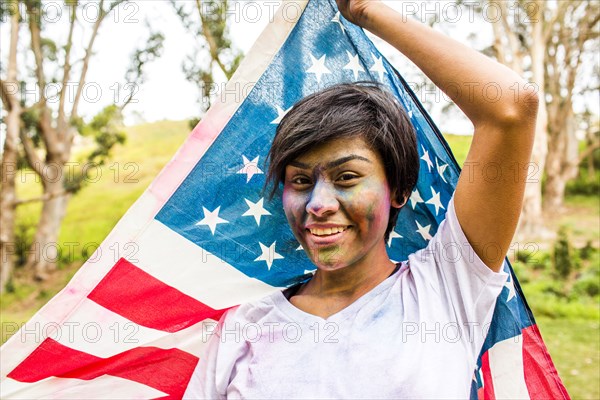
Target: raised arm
[(499, 103)]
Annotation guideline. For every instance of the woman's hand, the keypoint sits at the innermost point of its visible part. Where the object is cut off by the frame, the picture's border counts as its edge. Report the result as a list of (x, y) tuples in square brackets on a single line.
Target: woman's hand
[(356, 11)]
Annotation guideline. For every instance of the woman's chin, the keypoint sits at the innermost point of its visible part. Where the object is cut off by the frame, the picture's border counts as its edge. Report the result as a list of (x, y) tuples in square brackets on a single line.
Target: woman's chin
[(329, 265)]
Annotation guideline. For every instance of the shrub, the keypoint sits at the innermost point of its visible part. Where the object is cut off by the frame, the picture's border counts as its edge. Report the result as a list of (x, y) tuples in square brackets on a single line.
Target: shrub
[(588, 284), (584, 184), (565, 259), (586, 252), (24, 234)]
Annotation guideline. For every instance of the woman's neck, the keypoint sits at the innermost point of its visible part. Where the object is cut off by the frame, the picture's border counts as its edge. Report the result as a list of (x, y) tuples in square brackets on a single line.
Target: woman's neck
[(351, 281)]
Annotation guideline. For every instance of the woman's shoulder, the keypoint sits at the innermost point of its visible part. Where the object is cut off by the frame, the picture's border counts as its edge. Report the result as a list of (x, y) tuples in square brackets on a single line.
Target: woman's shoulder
[(252, 311)]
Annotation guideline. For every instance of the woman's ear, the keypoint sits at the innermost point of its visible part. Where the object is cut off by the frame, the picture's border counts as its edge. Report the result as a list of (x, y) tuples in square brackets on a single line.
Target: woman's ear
[(398, 201)]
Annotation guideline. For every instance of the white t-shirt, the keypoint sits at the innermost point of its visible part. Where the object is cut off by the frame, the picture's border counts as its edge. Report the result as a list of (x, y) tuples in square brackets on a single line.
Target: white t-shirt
[(416, 335)]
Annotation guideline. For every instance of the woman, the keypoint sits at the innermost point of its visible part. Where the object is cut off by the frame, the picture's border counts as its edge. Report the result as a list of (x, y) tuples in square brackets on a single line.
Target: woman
[(364, 327)]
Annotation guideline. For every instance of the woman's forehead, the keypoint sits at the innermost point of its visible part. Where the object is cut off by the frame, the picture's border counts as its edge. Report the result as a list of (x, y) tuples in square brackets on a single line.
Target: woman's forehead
[(336, 152)]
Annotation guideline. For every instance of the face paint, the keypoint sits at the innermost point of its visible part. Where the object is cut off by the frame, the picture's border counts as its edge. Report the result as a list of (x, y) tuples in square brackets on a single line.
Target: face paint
[(337, 202)]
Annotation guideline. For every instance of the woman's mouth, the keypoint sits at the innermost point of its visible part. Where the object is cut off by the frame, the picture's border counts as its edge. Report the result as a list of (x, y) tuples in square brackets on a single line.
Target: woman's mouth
[(327, 231), (326, 236)]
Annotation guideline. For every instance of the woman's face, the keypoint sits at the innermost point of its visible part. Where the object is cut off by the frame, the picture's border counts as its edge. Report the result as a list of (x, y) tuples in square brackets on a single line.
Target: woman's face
[(337, 201)]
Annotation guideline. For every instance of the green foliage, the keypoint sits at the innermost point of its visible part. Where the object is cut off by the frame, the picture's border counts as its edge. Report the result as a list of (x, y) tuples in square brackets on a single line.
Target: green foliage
[(106, 128), (564, 260), (584, 184), (49, 49), (587, 286), (24, 233), (193, 122), (208, 20), (460, 146), (587, 181), (152, 50), (587, 251), (7, 8)]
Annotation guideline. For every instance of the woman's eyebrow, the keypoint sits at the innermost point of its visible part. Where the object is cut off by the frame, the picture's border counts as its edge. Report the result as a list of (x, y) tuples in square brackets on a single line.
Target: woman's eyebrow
[(333, 163), (343, 160)]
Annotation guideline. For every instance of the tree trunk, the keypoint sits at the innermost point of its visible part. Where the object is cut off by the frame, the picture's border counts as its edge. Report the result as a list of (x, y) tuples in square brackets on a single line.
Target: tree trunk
[(531, 223), (562, 164), (8, 166), (554, 193), (45, 249), (8, 198)]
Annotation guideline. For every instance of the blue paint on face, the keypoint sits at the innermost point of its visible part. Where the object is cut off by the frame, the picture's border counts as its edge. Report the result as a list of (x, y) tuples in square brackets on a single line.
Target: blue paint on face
[(337, 202)]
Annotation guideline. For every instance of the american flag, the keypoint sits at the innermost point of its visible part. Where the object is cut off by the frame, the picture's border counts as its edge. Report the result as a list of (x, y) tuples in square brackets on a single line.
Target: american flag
[(203, 238)]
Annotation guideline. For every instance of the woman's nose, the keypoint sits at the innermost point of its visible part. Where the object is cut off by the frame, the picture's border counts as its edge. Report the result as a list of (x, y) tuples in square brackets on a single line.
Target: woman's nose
[(322, 199)]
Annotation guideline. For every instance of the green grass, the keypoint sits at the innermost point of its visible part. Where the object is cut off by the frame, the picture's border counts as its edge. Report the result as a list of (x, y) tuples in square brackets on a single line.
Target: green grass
[(574, 345), (133, 167), (460, 146)]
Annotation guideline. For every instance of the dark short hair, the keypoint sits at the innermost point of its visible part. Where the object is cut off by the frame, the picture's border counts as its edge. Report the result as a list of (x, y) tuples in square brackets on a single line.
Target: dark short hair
[(347, 110)]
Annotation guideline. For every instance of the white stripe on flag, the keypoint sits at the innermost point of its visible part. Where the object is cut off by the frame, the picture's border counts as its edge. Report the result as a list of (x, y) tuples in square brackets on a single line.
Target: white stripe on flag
[(103, 387), (102, 333), (192, 340), (179, 263), (506, 367)]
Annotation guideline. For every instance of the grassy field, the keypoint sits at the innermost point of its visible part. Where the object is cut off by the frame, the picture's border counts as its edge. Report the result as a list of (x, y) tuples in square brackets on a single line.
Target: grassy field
[(569, 320)]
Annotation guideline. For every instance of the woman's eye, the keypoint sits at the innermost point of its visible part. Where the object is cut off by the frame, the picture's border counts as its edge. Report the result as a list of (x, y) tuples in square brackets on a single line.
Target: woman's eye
[(300, 180), (347, 177)]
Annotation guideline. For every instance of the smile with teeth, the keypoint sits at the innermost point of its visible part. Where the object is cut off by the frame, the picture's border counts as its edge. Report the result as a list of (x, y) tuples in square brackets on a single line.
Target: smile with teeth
[(327, 231)]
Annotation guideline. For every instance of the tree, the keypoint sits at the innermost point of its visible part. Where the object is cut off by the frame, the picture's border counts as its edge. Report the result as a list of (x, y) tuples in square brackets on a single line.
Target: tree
[(546, 41), (47, 130), (9, 156), (208, 20), (570, 40)]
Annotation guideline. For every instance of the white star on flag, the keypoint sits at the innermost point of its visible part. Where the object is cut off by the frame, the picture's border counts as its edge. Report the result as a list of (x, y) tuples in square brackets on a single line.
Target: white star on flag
[(280, 114), (309, 271), (212, 219), (256, 210), (436, 201), (415, 198), (268, 254), (250, 168), (511, 289), (424, 231), (318, 67), (378, 66), (393, 235), (441, 169), (425, 157), (336, 19), (354, 64), (299, 248)]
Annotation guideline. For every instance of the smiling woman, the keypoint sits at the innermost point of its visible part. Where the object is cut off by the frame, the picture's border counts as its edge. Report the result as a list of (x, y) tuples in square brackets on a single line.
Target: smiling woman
[(340, 198), (364, 326)]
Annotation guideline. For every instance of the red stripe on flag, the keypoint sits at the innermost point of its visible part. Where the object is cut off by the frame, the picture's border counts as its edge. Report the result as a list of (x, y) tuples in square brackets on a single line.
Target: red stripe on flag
[(168, 370), (541, 376), (145, 300), (488, 383), (480, 394)]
